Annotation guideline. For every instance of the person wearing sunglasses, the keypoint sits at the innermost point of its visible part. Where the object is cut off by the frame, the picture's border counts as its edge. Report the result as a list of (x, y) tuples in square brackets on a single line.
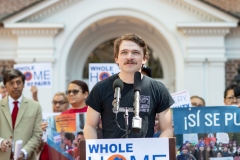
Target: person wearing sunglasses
[(77, 93)]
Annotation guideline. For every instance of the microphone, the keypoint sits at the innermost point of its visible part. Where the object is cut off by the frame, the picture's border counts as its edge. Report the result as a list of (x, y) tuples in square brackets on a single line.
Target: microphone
[(137, 121), (117, 86)]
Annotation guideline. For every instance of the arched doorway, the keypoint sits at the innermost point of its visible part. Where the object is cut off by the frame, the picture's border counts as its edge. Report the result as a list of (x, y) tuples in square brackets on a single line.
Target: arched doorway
[(103, 53), (110, 28)]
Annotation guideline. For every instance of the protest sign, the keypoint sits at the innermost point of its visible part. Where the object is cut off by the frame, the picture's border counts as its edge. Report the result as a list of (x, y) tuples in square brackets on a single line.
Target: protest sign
[(63, 133), (222, 158), (206, 119), (101, 71), (182, 99), (36, 74), (222, 137), (66, 122), (217, 128)]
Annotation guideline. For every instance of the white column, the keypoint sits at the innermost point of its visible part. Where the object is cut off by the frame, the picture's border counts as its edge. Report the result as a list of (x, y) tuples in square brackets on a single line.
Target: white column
[(205, 62), (33, 43)]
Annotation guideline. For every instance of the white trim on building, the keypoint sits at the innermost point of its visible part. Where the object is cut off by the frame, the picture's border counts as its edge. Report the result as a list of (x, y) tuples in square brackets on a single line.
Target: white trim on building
[(192, 40)]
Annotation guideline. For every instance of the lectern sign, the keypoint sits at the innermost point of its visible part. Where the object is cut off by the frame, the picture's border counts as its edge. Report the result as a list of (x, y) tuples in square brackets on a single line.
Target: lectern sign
[(128, 149)]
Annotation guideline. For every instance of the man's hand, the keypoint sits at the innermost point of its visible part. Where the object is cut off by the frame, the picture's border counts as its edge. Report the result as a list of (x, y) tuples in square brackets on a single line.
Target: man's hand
[(44, 126), (5, 145), (40, 147), (21, 156)]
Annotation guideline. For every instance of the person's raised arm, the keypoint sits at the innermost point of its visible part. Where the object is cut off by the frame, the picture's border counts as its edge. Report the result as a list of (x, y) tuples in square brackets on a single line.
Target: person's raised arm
[(34, 91), (165, 122), (92, 120)]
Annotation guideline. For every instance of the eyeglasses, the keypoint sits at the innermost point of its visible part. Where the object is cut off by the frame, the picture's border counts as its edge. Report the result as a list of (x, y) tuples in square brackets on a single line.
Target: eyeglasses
[(74, 91), (231, 99), (58, 102)]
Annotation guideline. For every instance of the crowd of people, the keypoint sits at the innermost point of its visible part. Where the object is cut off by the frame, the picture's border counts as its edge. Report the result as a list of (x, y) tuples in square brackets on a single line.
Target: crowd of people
[(130, 53), (208, 147), (202, 151)]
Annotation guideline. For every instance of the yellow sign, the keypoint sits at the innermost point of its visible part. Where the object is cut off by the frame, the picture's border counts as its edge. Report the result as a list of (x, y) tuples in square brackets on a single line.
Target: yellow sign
[(66, 122)]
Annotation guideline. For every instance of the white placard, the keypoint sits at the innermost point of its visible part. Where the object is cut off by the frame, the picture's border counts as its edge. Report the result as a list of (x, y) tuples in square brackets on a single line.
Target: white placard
[(37, 74), (222, 137), (127, 149), (182, 99), (222, 158), (57, 138), (0, 96), (101, 71), (191, 137), (17, 149)]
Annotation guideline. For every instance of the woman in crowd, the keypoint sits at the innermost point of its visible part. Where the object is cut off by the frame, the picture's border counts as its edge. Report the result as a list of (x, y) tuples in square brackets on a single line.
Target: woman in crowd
[(77, 93)]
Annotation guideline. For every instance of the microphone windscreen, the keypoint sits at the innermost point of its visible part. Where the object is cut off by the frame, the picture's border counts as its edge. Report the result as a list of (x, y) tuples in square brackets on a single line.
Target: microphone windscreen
[(118, 83), (137, 82)]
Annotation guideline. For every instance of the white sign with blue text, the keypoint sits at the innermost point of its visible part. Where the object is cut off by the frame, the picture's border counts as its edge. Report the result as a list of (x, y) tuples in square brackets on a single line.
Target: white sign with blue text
[(182, 99), (36, 74), (128, 149), (101, 71)]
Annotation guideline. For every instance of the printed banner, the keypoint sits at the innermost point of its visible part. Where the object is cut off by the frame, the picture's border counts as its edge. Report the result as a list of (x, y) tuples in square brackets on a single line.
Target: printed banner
[(127, 149), (45, 116), (36, 74), (206, 119), (101, 71), (218, 135), (62, 139), (182, 99)]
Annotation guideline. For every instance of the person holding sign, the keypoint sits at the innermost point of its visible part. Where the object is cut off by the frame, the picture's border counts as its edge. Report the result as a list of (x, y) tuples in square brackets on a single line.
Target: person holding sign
[(20, 118), (130, 52)]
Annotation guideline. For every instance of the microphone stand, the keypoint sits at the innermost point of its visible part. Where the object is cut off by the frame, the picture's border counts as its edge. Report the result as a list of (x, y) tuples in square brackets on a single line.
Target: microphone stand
[(126, 116), (126, 121)]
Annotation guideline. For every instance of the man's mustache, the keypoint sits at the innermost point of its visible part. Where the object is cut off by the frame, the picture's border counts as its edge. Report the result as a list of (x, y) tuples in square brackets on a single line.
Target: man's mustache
[(130, 62)]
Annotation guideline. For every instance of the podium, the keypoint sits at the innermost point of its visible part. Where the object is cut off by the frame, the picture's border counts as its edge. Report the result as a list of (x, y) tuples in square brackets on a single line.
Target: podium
[(129, 149)]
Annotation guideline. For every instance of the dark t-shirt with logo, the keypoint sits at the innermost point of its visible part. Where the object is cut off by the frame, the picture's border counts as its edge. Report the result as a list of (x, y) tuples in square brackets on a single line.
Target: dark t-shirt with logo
[(154, 98)]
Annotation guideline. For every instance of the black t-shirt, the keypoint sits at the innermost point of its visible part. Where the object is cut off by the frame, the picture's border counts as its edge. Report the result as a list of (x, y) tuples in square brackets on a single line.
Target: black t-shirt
[(154, 98)]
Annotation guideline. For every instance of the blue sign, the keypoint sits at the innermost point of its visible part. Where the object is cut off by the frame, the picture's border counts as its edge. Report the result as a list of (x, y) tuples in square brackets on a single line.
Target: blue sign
[(206, 119)]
